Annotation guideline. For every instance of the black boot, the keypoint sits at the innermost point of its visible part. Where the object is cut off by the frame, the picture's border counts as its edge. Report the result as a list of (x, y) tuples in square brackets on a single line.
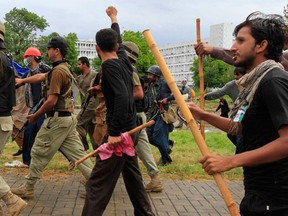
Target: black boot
[(19, 152)]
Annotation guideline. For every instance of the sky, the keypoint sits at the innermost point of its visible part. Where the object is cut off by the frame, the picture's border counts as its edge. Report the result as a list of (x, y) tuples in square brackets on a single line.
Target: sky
[(169, 21)]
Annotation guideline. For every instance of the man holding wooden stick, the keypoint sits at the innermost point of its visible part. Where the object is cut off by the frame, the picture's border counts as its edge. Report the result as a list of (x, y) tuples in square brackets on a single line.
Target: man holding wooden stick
[(260, 114), (117, 88)]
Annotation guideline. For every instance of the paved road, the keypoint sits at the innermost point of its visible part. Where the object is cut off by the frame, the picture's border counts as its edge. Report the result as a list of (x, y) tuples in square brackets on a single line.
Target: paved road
[(61, 196)]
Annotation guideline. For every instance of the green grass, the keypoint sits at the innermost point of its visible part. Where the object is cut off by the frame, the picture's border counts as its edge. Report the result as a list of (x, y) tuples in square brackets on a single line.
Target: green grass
[(185, 156)]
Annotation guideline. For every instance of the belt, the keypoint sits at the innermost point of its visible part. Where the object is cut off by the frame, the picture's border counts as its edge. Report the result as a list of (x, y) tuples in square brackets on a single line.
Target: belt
[(58, 114), (5, 114)]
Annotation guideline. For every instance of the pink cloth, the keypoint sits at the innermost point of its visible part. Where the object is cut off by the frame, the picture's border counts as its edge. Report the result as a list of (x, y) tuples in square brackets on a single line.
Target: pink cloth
[(126, 147)]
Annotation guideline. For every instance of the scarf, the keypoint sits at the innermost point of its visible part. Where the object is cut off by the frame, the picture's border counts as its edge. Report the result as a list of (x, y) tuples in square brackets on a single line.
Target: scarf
[(249, 84)]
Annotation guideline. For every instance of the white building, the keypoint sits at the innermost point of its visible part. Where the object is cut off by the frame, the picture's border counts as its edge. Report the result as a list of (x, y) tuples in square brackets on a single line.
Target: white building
[(179, 59), (87, 48), (221, 35)]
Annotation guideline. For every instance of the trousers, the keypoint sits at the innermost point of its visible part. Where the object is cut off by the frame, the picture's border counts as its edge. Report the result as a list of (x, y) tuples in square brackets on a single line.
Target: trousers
[(144, 151), (57, 133), (30, 133), (102, 182), (158, 135), (253, 205), (6, 127), (85, 125)]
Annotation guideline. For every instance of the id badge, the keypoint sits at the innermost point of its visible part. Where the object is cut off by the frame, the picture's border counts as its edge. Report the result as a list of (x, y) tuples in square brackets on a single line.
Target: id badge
[(240, 114)]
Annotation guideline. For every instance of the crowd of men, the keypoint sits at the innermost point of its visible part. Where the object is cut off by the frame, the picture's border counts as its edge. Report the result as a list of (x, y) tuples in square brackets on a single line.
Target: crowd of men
[(114, 101)]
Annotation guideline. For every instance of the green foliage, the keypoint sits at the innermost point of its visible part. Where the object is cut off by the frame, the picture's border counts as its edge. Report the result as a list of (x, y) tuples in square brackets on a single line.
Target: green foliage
[(72, 55), (21, 26), (96, 63), (216, 72), (286, 12), (146, 58)]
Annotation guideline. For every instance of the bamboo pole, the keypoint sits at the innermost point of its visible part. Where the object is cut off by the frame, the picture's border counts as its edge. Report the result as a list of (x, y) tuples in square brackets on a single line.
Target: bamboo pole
[(190, 120), (96, 151), (201, 78)]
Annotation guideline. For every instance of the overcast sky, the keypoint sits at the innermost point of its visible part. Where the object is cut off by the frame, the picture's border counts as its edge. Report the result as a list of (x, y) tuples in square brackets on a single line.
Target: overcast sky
[(170, 21)]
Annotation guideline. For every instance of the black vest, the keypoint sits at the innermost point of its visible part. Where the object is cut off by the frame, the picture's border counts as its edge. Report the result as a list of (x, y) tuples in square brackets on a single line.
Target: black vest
[(7, 85)]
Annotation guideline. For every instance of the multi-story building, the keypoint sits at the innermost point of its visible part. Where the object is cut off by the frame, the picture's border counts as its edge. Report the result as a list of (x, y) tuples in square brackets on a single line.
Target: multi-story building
[(179, 59), (221, 35), (87, 48)]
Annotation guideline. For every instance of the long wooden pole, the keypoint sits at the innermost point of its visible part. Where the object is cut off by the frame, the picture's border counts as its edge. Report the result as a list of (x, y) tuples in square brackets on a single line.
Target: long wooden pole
[(190, 120), (96, 151), (201, 78)]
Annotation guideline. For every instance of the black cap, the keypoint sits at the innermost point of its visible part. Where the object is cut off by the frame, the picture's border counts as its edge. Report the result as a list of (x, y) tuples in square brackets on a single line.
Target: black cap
[(60, 43)]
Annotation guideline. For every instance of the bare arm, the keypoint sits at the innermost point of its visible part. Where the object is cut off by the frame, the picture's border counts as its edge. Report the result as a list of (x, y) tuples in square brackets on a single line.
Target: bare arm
[(215, 52), (138, 92), (273, 151)]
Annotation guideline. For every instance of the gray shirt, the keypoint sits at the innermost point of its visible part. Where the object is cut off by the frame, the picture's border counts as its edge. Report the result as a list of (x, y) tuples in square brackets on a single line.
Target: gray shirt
[(230, 89)]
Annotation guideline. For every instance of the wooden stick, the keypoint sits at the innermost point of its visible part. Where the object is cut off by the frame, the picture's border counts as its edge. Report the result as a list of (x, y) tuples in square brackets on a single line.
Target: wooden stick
[(201, 78), (95, 152), (190, 120)]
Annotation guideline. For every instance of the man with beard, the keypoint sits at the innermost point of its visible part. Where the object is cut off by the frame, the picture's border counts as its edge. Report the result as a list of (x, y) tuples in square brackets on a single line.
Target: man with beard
[(260, 114)]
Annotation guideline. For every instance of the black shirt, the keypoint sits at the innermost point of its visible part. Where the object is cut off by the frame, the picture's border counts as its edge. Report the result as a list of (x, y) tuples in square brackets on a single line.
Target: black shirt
[(266, 114), (117, 88)]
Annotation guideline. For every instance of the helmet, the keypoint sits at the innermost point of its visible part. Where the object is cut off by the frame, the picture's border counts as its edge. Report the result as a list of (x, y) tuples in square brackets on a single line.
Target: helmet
[(132, 50), (2, 31), (155, 70), (32, 51)]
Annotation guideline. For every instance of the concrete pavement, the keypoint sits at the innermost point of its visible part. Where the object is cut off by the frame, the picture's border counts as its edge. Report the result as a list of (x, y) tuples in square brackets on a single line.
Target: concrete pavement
[(61, 196)]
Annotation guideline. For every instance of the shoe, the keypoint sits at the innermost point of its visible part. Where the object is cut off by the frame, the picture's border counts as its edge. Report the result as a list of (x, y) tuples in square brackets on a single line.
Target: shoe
[(22, 165), (171, 143), (165, 163), (155, 185), (24, 191), (3, 208), (19, 152), (15, 205)]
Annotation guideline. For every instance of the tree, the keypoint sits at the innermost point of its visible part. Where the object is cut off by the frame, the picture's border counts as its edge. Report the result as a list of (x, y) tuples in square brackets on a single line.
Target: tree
[(96, 62), (21, 26), (72, 56), (286, 12), (216, 72), (146, 58)]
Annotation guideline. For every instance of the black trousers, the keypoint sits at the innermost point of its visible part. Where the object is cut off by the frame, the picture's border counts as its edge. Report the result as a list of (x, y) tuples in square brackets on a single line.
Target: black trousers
[(253, 205), (101, 184)]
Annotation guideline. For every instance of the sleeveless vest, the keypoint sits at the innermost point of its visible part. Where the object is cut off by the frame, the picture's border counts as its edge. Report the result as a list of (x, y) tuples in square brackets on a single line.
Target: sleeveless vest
[(65, 101)]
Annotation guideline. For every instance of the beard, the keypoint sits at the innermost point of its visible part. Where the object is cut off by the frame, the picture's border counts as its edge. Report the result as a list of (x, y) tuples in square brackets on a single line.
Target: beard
[(245, 62)]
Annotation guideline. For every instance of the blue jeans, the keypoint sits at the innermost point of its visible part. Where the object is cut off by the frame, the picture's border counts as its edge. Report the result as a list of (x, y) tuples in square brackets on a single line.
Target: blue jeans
[(30, 133), (158, 135)]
